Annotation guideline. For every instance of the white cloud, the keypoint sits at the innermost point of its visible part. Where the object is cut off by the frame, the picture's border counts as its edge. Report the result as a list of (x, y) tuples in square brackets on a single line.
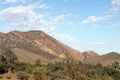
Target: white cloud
[(13, 1), (115, 9), (44, 6), (25, 18), (62, 17), (116, 2), (10, 1), (92, 19), (15, 13), (65, 38), (59, 18)]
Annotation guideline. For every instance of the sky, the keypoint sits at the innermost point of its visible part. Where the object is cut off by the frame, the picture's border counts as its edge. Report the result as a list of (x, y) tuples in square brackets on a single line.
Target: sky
[(81, 24)]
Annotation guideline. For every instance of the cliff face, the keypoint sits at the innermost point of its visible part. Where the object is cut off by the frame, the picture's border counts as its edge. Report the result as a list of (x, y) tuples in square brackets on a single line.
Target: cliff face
[(38, 43)]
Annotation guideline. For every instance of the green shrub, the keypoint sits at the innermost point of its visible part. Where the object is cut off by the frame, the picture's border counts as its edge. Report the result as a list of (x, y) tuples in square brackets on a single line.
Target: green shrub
[(38, 63), (39, 73), (23, 75), (26, 67), (7, 60)]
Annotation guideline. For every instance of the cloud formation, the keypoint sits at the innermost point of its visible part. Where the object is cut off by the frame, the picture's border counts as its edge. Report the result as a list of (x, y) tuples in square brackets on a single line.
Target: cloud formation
[(44, 6), (10, 1), (25, 18), (59, 18), (65, 38), (115, 6), (116, 2), (92, 19), (13, 1)]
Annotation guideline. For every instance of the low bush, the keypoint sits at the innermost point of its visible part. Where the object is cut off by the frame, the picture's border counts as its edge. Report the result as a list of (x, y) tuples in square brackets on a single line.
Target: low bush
[(22, 75)]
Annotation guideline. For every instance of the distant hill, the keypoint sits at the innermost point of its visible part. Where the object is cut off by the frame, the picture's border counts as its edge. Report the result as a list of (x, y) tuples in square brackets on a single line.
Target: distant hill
[(32, 45), (103, 59), (88, 54)]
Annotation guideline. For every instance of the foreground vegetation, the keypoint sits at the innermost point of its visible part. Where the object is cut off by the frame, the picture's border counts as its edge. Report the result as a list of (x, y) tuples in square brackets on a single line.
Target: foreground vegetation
[(69, 69)]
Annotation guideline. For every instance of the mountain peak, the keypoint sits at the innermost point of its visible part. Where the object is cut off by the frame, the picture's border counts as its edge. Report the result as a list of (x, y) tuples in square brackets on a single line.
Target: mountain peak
[(38, 42), (112, 54), (36, 31), (87, 54)]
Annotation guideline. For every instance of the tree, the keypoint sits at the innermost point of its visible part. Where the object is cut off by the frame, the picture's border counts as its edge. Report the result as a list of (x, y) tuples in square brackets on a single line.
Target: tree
[(38, 63), (52, 67), (56, 70), (115, 65), (39, 73), (26, 67), (3, 68), (113, 72), (72, 68), (8, 58)]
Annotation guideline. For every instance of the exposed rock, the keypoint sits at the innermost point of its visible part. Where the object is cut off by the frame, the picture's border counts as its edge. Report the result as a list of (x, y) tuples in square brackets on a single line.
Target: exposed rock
[(38, 43)]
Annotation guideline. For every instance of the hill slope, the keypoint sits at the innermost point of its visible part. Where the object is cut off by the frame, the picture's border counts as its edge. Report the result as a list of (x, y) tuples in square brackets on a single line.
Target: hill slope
[(37, 44), (103, 59), (88, 54)]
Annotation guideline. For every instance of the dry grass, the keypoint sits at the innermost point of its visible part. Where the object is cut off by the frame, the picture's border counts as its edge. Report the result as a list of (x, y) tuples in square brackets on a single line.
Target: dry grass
[(26, 56), (13, 77)]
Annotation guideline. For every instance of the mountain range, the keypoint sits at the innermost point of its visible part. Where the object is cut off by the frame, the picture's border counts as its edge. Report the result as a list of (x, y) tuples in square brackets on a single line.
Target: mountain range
[(33, 45)]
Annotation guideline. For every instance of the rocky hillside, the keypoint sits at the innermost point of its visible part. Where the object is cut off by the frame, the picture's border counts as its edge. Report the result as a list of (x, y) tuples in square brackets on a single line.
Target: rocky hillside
[(37, 43), (88, 54), (103, 59)]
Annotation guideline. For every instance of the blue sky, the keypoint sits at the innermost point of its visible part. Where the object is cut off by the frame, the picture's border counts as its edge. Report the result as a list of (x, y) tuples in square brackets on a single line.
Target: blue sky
[(80, 24)]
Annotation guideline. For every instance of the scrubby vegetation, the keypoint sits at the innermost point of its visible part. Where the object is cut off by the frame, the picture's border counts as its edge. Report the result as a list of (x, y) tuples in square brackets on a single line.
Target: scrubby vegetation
[(69, 69)]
